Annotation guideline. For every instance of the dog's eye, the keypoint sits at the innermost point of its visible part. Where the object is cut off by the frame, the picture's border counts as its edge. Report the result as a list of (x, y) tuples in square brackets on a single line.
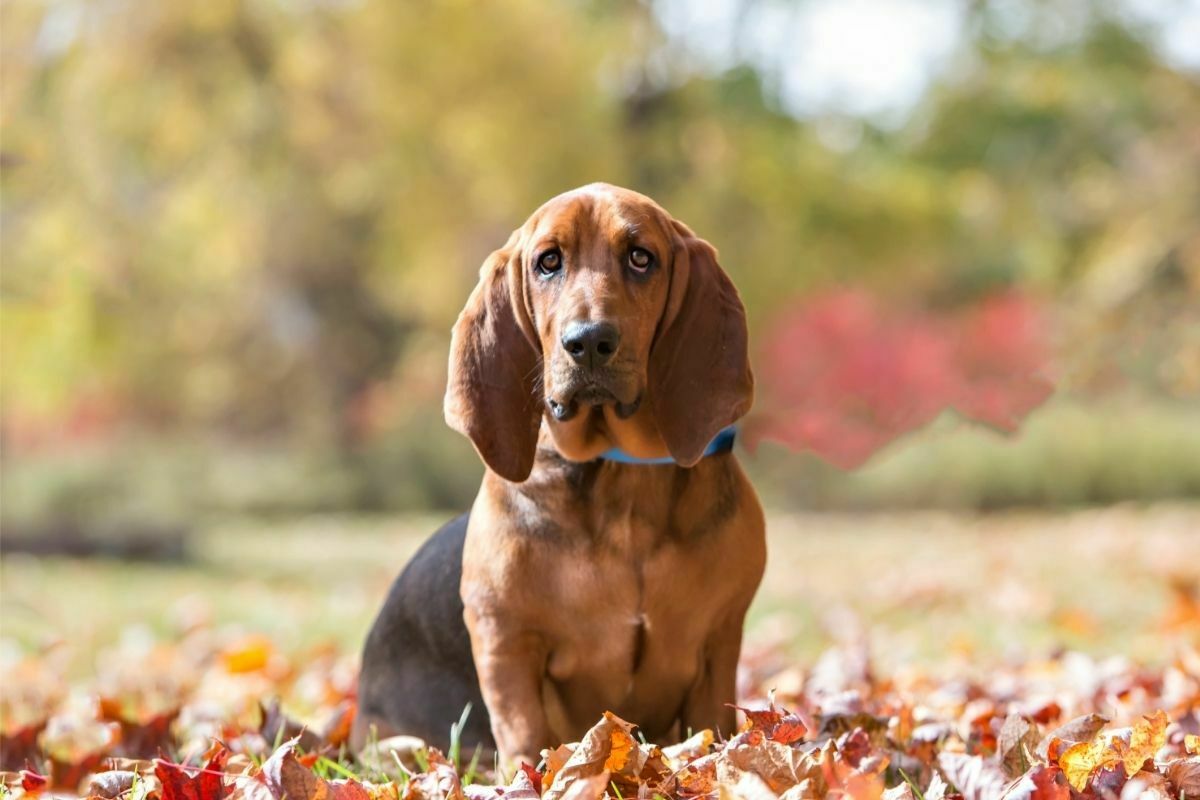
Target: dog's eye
[(640, 259), (549, 262)]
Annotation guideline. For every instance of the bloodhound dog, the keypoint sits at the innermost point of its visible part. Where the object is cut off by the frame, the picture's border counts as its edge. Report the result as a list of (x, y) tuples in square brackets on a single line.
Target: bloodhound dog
[(615, 544)]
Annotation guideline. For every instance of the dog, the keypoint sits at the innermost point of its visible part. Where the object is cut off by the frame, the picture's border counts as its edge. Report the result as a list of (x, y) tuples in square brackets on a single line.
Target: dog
[(615, 544)]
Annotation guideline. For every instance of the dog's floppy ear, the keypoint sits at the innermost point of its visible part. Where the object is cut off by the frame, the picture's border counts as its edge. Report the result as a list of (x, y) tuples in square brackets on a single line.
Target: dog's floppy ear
[(494, 359), (700, 379)]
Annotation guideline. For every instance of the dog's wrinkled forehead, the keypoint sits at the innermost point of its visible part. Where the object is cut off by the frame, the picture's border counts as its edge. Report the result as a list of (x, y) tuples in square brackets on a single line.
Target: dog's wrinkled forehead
[(597, 213)]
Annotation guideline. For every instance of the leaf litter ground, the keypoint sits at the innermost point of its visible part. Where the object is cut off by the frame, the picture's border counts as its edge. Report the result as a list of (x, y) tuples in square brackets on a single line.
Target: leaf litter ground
[(210, 712)]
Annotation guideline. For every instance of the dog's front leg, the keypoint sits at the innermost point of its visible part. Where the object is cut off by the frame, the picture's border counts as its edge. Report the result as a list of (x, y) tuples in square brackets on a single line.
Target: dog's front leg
[(715, 687), (511, 666)]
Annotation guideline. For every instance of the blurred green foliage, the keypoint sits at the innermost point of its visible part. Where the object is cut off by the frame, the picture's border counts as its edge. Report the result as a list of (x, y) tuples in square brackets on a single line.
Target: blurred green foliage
[(246, 226)]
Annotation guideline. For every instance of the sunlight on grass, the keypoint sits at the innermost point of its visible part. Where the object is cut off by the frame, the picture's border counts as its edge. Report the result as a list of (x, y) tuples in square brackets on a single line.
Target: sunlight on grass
[(921, 586)]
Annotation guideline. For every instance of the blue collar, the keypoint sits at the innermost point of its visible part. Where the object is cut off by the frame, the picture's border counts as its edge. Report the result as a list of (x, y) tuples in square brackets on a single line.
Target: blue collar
[(721, 443)]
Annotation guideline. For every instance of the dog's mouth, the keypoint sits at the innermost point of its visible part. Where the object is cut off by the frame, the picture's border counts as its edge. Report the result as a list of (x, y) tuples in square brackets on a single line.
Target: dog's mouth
[(592, 395)]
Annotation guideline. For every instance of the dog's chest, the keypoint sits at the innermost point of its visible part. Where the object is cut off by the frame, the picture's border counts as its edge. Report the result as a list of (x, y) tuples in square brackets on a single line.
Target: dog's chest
[(635, 611)]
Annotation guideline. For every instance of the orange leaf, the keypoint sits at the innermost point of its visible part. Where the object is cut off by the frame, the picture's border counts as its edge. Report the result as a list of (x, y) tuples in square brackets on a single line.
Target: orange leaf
[(621, 744), (249, 655)]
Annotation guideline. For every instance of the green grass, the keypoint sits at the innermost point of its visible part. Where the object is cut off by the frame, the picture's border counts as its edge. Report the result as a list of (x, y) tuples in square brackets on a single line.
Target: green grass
[(923, 587)]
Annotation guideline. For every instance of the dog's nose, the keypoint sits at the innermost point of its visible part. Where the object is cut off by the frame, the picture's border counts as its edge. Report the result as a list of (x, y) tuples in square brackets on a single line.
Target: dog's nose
[(591, 344)]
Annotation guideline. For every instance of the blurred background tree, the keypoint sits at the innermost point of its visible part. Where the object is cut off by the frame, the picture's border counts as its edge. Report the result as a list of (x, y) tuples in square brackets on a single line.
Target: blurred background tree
[(236, 232)]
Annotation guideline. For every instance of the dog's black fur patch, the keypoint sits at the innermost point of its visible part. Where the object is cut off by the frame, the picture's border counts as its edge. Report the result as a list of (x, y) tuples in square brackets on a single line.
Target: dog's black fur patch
[(417, 669)]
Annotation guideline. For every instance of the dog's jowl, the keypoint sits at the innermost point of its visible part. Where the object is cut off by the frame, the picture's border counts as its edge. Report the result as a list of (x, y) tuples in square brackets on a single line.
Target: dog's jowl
[(615, 544)]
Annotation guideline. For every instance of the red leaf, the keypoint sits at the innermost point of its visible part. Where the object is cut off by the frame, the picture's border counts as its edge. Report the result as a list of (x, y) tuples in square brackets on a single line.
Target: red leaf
[(207, 784), (760, 719), (534, 776), (790, 729), (32, 782)]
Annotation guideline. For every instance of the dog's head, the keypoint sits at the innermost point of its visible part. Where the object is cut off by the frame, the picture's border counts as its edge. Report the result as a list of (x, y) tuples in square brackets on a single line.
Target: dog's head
[(613, 321)]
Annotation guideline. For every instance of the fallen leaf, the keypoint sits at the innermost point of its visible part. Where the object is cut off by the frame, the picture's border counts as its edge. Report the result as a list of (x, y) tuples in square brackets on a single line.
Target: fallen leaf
[(111, 784), (620, 746), (1146, 786), (779, 765), (695, 746), (1080, 729), (595, 754), (698, 777), (440, 782), (1148, 735), (975, 778), (1015, 744), (1039, 783), (591, 787), (526, 785), (207, 784), (250, 654), (748, 787), (32, 782), (1080, 761), (532, 776), (937, 788), (779, 724), (1184, 775)]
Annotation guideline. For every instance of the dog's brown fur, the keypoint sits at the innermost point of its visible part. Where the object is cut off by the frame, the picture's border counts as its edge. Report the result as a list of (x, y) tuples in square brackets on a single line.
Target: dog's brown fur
[(590, 585)]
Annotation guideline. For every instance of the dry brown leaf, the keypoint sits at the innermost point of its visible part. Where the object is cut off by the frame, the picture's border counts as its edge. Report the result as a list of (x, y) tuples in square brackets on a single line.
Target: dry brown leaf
[(748, 787), (901, 792), (285, 777), (591, 787), (862, 781), (1015, 744), (1080, 729), (693, 747), (1184, 775), (1146, 786), (779, 765), (595, 754), (1039, 783), (111, 784), (937, 788), (440, 782), (699, 777), (555, 760), (806, 789), (975, 778)]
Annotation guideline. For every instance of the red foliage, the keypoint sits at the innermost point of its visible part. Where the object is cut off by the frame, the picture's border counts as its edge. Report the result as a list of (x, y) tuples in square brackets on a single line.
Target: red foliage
[(207, 784), (32, 782), (843, 374)]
